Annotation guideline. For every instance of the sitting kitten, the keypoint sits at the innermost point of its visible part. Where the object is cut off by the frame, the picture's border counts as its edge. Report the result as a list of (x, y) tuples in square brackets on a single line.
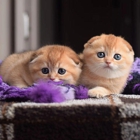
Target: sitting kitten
[(107, 63), (53, 62)]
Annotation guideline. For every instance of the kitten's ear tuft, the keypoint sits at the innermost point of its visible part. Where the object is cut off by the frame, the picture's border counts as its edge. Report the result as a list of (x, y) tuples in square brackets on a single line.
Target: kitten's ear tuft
[(88, 44)]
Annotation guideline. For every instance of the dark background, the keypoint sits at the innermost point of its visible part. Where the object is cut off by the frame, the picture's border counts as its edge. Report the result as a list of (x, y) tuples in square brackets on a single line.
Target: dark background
[(74, 22)]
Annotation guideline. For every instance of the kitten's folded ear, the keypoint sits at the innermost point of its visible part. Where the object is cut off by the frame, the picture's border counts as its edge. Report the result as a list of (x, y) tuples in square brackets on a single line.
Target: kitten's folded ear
[(34, 57), (79, 64), (77, 60), (128, 46), (88, 44)]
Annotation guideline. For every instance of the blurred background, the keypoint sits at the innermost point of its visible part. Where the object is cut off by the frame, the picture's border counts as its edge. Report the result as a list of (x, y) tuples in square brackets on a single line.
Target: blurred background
[(30, 24)]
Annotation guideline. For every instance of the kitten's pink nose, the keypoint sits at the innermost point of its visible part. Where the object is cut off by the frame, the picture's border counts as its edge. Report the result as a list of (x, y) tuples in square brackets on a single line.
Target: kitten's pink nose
[(108, 63)]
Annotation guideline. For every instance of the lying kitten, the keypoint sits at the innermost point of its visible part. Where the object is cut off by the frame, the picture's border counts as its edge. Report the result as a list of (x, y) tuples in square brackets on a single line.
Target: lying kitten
[(107, 63), (53, 62)]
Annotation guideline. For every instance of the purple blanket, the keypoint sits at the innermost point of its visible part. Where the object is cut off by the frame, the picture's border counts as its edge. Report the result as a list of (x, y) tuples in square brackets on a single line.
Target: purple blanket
[(42, 92)]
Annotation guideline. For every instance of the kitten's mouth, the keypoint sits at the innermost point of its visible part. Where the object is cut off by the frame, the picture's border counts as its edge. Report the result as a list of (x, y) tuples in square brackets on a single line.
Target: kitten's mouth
[(107, 67)]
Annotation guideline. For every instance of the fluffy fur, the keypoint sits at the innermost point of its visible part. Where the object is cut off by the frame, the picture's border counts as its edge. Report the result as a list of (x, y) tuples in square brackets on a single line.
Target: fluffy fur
[(24, 69), (102, 72)]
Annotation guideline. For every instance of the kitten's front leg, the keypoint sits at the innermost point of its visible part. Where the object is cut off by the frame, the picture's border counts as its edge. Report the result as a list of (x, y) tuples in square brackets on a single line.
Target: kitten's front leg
[(20, 84), (98, 92)]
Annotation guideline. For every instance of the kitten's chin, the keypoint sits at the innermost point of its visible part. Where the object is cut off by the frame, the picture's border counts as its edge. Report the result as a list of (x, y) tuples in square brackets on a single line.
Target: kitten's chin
[(56, 80), (109, 73)]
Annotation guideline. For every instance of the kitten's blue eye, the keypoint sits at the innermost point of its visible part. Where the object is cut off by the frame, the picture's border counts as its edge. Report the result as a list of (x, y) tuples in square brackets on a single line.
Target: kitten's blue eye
[(101, 54), (117, 56), (45, 70), (61, 71)]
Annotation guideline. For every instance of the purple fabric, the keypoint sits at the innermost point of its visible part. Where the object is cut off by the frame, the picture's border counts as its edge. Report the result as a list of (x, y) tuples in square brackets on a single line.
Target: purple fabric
[(136, 66), (42, 92), (133, 82), (136, 88), (46, 92), (12, 93), (80, 92)]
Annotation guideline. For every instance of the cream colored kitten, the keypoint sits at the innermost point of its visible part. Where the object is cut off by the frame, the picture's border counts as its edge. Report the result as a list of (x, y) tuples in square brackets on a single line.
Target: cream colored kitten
[(107, 63), (53, 62)]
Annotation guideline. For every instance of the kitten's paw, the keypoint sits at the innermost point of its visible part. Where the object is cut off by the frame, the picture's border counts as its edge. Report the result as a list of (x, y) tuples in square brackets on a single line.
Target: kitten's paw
[(98, 92)]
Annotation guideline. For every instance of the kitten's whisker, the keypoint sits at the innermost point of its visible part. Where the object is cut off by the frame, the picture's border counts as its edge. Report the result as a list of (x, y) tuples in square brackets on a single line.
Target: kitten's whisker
[(97, 68)]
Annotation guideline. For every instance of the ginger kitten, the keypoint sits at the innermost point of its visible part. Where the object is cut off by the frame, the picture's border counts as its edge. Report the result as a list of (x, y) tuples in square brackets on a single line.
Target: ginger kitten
[(52, 62), (107, 63)]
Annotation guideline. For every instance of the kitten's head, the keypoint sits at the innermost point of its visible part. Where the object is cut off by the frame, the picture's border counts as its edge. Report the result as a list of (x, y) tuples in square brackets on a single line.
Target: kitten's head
[(55, 62), (108, 56)]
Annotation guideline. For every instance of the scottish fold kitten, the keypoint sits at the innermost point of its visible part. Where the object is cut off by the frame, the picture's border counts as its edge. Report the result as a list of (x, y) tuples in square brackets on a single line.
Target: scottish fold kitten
[(52, 62), (107, 63)]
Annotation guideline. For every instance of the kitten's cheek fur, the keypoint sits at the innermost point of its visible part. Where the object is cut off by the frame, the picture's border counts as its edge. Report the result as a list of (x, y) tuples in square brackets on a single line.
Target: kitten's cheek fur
[(98, 92)]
